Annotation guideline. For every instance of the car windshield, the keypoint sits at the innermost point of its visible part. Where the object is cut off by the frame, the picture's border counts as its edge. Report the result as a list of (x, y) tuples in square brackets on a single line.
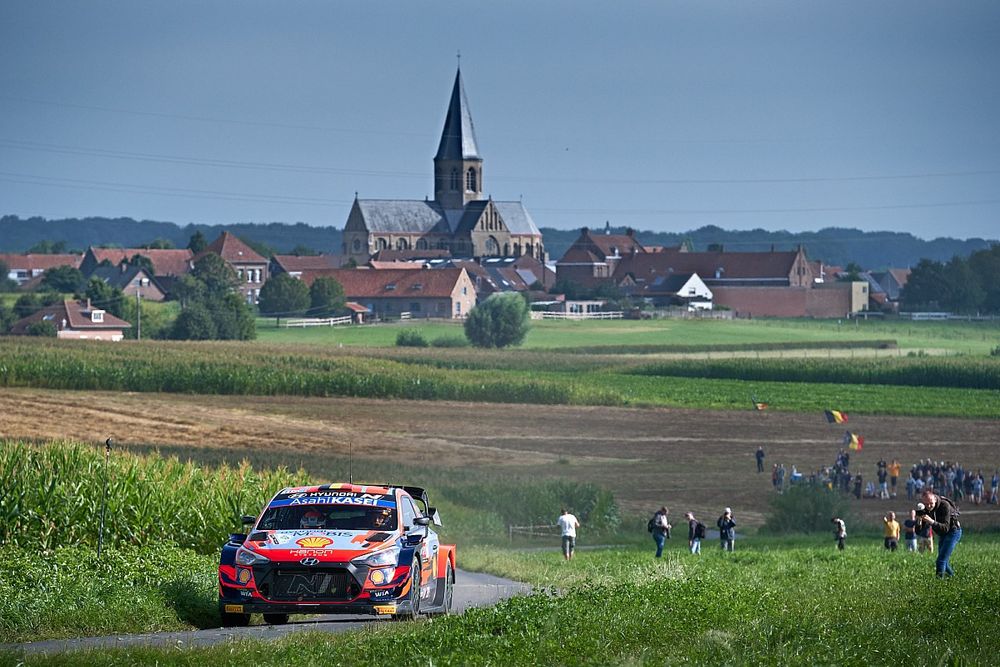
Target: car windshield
[(327, 517)]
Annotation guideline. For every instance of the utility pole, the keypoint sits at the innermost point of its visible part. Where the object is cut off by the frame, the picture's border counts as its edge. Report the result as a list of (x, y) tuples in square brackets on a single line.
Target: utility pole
[(138, 315)]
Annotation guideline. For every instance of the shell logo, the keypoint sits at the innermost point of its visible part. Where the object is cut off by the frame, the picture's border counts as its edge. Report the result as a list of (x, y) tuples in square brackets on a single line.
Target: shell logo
[(314, 542)]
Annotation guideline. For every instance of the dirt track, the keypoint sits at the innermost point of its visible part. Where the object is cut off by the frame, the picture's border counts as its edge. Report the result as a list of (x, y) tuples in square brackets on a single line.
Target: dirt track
[(690, 459)]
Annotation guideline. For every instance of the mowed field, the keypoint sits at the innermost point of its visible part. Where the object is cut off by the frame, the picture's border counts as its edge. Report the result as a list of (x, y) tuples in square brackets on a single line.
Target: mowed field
[(700, 460)]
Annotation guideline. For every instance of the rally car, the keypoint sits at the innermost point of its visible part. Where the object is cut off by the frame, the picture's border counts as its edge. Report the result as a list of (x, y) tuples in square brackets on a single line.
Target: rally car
[(338, 548)]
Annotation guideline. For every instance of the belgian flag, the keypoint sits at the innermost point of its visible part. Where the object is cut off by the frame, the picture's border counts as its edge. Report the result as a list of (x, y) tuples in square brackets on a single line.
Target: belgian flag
[(836, 416), (854, 441)]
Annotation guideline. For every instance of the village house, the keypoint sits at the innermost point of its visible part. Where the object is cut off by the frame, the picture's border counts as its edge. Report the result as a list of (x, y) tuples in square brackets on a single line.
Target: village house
[(294, 265), (420, 292), (22, 268), (250, 267), (168, 264), (132, 280), (75, 320)]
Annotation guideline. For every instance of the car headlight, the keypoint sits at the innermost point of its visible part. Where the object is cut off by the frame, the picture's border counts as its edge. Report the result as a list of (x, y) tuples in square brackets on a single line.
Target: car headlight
[(247, 557), (380, 558)]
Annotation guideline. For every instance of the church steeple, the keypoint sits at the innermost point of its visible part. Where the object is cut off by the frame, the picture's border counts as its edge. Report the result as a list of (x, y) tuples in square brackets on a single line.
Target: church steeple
[(458, 167)]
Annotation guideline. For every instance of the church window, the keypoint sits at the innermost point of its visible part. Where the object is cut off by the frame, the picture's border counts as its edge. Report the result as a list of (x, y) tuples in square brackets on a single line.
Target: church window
[(492, 247), (442, 244), (455, 182), (529, 250), (421, 244), (382, 244), (517, 250), (402, 244), (506, 250), (356, 245), (470, 180)]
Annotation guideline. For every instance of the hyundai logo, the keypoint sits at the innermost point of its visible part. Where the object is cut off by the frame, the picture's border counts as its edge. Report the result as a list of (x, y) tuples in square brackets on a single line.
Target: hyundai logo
[(309, 561)]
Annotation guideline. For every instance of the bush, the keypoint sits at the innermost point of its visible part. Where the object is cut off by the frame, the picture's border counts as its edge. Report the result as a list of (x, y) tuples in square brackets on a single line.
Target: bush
[(43, 328), (807, 508), (450, 341), (500, 321), (410, 338)]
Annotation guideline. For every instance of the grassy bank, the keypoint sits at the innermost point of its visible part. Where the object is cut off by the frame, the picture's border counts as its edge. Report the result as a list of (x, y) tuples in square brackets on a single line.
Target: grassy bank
[(795, 604)]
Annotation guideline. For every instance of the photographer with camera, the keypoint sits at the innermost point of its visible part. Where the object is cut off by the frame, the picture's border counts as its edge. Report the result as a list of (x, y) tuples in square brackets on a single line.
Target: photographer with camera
[(941, 515)]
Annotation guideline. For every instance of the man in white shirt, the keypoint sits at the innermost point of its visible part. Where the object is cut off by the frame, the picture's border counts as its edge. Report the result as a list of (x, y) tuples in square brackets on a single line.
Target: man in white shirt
[(567, 525)]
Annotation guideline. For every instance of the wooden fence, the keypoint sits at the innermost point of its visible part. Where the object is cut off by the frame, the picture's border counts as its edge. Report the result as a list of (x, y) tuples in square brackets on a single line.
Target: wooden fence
[(546, 315), (317, 322)]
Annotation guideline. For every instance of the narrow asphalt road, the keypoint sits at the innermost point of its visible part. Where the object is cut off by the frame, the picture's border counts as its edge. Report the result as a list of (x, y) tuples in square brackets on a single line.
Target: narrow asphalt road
[(471, 590)]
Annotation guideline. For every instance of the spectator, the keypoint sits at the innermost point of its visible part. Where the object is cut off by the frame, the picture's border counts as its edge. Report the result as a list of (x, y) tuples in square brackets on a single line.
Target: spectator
[(994, 486), (893, 476), (925, 536), (774, 476), (883, 484), (839, 531), (857, 487), (977, 488), (567, 526), (942, 515), (910, 531), (760, 459), (891, 531), (660, 529), (696, 533), (781, 478), (727, 530), (911, 487)]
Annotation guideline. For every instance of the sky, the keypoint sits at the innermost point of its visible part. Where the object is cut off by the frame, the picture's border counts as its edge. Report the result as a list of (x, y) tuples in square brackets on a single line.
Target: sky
[(660, 115)]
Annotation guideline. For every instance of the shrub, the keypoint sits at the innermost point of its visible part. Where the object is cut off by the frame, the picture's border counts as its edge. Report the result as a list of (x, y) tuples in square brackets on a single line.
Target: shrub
[(500, 321), (283, 295), (450, 341), (43, 328), (807, 508), (410, 338)]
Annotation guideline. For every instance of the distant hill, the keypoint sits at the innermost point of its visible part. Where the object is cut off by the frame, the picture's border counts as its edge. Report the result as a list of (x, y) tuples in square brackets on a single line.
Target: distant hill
[(871, 250)]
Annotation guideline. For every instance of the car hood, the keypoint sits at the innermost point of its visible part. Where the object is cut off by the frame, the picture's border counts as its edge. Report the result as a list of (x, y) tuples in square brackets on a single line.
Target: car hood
[(325, 545)]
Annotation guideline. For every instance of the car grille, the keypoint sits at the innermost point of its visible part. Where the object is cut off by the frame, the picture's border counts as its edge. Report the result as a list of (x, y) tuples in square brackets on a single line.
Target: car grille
[(312, 584)]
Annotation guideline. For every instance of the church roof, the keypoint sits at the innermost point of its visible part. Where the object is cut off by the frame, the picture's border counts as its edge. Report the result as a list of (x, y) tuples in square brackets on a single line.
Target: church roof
[(458, 139), (403, 215), (516, 217)]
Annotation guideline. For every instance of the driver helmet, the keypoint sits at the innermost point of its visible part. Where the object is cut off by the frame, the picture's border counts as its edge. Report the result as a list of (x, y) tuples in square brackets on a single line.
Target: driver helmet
[(312, 519)]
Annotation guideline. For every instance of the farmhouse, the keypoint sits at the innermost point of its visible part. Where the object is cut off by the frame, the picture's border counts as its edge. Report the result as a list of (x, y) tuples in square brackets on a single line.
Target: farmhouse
[(77, 320), (23, 268), (168, 264), (250, 267), (131, 280), (294, 265), (460, 219), (387, 293)]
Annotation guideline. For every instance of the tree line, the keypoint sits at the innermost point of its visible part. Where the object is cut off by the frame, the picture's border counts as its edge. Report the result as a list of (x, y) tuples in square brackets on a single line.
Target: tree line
[(965, 285)]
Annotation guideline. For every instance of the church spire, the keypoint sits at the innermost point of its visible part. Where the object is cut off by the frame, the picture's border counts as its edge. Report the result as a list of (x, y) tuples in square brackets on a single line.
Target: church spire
[(458, 139), (458, 167)]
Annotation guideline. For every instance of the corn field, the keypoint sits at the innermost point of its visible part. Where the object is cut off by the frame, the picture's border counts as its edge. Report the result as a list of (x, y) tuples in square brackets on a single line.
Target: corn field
[(51, 495)]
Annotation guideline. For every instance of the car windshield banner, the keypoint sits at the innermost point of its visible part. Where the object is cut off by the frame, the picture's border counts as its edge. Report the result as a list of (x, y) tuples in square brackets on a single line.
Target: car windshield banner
[(350, 498)]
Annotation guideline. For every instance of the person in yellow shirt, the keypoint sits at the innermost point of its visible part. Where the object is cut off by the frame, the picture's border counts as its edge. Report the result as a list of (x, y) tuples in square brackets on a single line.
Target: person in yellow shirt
[(893, 476), (891, 531)]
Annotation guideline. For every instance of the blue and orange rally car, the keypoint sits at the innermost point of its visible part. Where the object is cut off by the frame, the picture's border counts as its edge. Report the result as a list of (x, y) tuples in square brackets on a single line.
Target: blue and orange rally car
[(338, 548)]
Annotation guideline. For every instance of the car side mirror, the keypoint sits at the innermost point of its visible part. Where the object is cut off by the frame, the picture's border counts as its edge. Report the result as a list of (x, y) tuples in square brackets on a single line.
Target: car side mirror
[(422, 521), (247, 519), (237, 538), (435, 515)]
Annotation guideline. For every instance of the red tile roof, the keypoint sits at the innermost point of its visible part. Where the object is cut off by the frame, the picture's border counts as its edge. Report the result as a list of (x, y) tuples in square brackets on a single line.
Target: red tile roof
[(734, 265), (39, 262), (77, 315), (901, 276), (292, 263), (230, 248), (171, 262), (371, 283)]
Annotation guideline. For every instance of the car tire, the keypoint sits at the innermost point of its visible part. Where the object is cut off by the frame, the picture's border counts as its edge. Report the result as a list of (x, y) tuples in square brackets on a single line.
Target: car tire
[(414, 597), (276, 619), (235, 620), (449, 591)]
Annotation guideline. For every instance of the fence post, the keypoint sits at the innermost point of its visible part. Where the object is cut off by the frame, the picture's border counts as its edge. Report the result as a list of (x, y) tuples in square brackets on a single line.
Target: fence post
[(510, 532)]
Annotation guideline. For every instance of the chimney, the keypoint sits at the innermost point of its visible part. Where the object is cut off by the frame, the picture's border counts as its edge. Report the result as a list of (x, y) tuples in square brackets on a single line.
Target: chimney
[(88, 303), (630, 232)]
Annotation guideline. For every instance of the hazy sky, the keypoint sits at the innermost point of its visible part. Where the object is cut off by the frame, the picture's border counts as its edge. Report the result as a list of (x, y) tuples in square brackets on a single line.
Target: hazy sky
[(660, 115)]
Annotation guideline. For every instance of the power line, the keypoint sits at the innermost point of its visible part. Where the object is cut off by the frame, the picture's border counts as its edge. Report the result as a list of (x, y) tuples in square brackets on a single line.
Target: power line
[(269, 166)]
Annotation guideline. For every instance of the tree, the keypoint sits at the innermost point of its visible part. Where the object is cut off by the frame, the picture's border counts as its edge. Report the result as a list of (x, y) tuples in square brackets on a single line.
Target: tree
[(7, 318), (159, 244), (986, 267), (283, 295), (46, 247), (852, 273), (962, 292), (194, 323), (326, 297), (42, 328), (217, 276), (923, 289), (63, 279), (105, 297), (569, 288), (304, 251), (27, 304), (143, 262), (500, 321), (197, 243), (7, 284)]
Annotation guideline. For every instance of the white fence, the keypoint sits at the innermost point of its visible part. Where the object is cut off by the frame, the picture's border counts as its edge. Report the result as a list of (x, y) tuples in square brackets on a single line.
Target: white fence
[(317, 322), (545, 315)]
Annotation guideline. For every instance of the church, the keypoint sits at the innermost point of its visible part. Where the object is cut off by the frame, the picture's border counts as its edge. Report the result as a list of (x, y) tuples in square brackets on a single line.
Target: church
[(460, 220)]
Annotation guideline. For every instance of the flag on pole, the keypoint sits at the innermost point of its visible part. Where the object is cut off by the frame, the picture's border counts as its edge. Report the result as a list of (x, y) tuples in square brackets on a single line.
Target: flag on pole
[(758, 405), (853, 440), (836, 416)]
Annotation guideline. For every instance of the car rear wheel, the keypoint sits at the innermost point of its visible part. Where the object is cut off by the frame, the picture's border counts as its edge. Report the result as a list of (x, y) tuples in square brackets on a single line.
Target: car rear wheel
[(235, 620), (449, 591), (414, 597), (276, 619)]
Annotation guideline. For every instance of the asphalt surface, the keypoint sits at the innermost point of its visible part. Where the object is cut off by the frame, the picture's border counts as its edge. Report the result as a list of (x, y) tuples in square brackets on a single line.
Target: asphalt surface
[(471, 590)]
